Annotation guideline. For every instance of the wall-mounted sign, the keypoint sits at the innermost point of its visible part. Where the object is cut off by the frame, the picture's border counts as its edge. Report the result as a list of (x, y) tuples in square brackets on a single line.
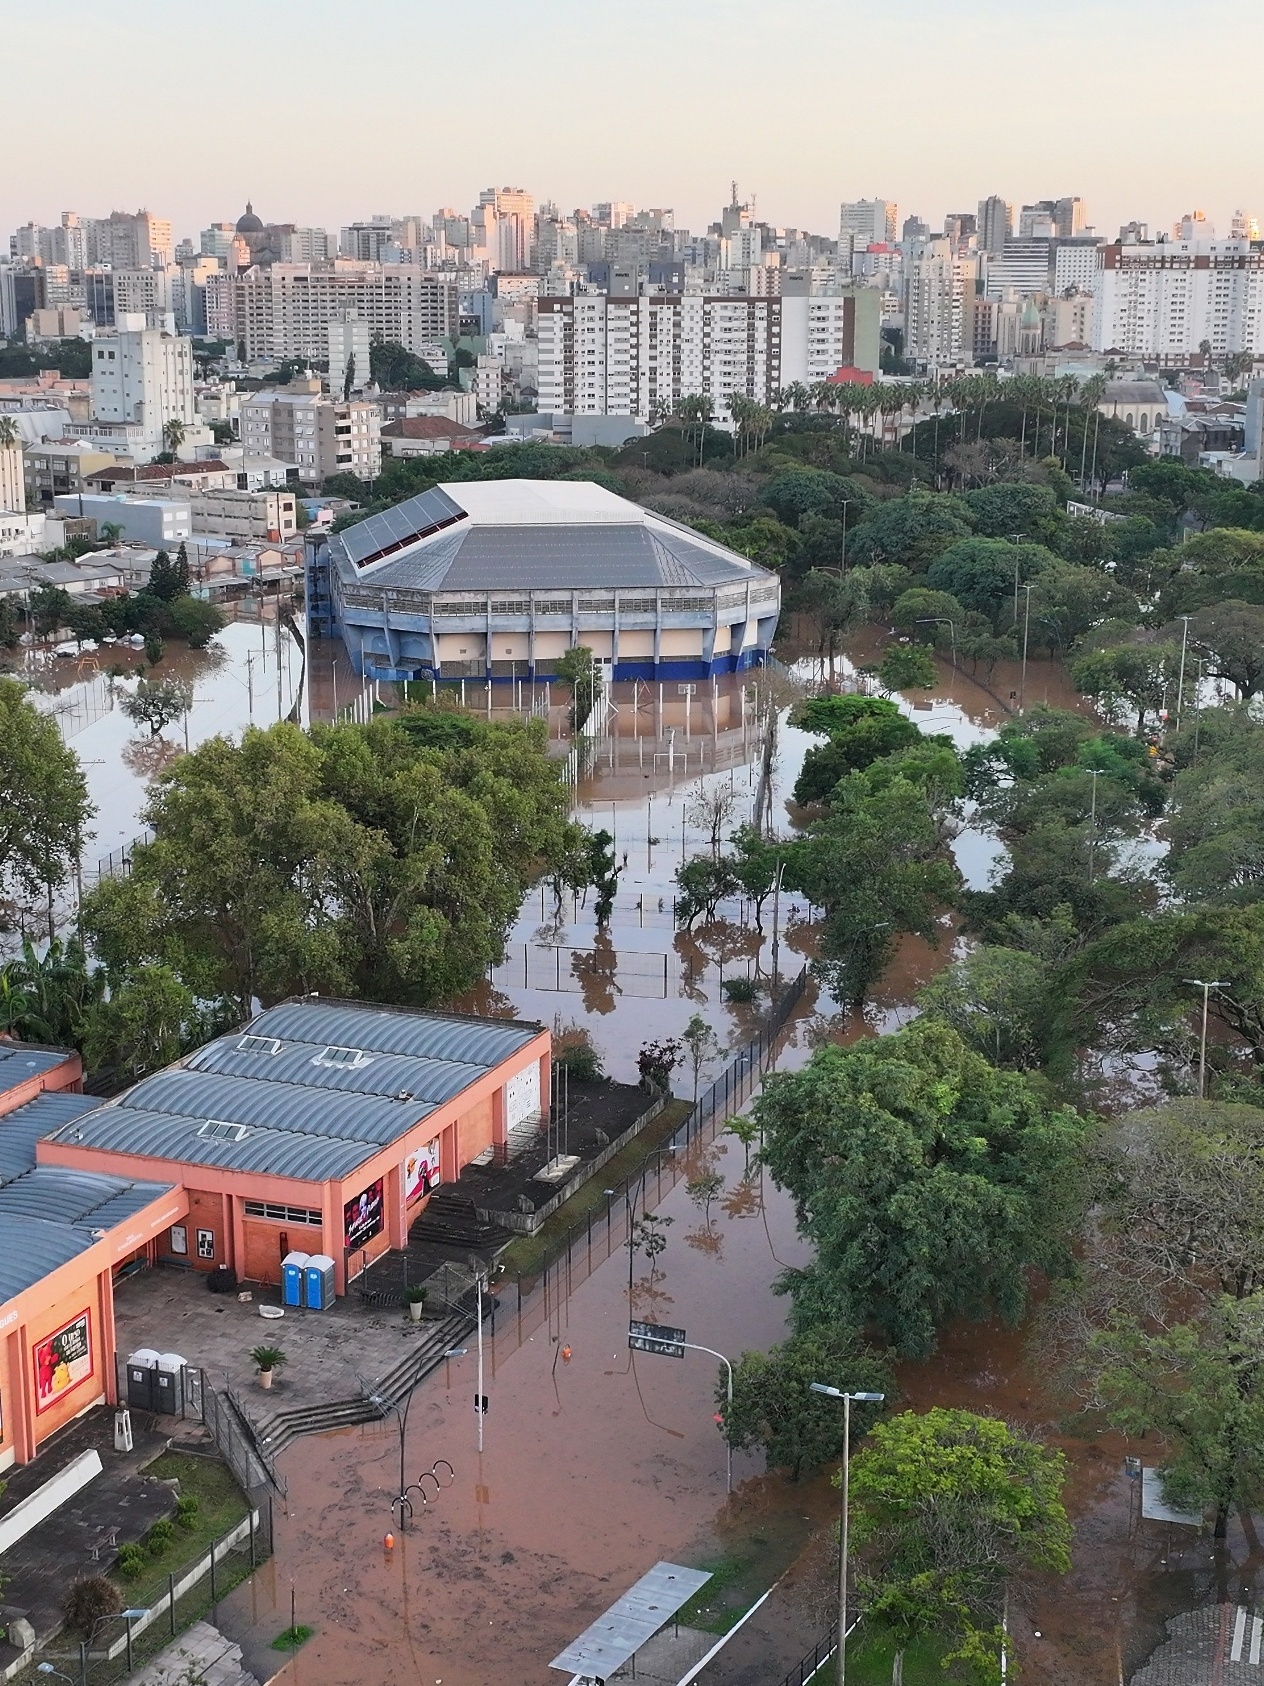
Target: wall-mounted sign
[(62, 1361), (179, 1238), (362, 1217), (206, 1243), (522, 1095), (421, 1171)]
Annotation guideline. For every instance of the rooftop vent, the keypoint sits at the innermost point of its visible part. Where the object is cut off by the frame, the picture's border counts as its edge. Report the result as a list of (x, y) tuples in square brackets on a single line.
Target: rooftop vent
[(349, 1057), (258, 1045), (216, 1130)]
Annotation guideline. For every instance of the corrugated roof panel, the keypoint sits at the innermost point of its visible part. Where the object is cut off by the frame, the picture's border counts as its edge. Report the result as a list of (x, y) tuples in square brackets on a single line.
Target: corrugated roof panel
[(480, 1042), (160, 1135), (64, 1196), (30, 1248), (20, 1061), (423, 568), (389, 1075), (414, 517), (205, 1095), (23, 1127)]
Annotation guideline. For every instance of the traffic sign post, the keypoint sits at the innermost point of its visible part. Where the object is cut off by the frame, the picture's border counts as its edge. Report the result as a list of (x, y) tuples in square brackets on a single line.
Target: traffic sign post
[(671, 1343)]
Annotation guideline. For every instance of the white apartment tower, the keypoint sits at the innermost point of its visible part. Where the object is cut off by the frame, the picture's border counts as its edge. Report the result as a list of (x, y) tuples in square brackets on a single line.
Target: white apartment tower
[(1163, 300), (871, 221), (285, 310), (143, 377), (938, 303), (348, 347)]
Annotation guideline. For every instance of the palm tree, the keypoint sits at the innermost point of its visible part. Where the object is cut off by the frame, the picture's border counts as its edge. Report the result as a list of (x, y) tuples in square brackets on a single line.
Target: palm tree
[(109, 532), (173, 433), (9, 434)]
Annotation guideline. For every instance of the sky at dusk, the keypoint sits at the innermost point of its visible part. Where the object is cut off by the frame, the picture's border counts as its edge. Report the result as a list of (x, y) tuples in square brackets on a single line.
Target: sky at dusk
[(322, 112)]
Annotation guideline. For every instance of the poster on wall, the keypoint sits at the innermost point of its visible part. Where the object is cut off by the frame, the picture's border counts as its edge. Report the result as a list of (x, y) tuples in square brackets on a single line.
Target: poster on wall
[(62, 1361), (421, 1171), (206, 1244), (522, 1095), (179, 1238), (362, 1217)]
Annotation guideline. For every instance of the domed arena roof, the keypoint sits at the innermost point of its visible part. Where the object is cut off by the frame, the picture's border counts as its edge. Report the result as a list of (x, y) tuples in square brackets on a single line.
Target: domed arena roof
[(531, 534), (249, 223)]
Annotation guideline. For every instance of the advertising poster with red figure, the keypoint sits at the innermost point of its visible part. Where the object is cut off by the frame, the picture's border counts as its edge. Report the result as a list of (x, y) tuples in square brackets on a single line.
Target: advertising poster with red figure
[(421, 1171), (62, 1362)]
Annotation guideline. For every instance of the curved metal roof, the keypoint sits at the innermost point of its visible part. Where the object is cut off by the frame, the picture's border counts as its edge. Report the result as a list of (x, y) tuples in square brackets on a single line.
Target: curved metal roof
[(165, 1135), (343, 1024), (30, 1248), (23, 1127), (390, 1075), (208, 1095)]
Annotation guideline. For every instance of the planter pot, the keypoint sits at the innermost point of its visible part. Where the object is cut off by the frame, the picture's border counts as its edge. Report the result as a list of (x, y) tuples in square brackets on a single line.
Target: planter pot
[(265, 1378), (415, 1309)]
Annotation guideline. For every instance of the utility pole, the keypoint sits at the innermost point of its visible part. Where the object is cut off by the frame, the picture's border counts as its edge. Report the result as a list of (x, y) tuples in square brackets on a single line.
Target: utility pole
[(1094, 773), (1206, 985), (1022, 684), (1180, 684)]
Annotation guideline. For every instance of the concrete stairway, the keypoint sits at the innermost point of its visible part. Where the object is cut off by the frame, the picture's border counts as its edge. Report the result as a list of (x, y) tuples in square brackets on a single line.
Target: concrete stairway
[(275, 1432)]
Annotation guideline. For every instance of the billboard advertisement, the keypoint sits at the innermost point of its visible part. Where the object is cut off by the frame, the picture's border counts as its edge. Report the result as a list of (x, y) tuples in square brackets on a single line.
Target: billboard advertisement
[(421, 1171), (362, 1217), (62, 1361)]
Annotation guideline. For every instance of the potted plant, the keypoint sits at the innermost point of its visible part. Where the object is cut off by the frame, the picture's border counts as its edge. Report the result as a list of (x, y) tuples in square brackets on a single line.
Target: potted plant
[(415, 1298), (268, 1358)]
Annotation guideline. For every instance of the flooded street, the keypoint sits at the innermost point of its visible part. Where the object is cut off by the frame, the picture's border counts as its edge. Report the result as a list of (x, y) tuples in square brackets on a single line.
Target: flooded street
[(597, 1465)]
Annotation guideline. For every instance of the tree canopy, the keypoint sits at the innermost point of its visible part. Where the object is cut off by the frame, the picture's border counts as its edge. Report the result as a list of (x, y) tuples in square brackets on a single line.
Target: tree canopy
[(929, 1182)]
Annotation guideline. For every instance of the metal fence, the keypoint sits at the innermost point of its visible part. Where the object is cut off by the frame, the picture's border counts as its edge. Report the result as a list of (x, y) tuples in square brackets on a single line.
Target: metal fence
[(525, 1302), (230, 1428), (742, 1076), (814, 1662)]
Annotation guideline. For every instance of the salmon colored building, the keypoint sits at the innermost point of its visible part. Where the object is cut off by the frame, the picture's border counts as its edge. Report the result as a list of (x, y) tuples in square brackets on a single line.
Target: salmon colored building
[(321, 1129), (64, 1236)]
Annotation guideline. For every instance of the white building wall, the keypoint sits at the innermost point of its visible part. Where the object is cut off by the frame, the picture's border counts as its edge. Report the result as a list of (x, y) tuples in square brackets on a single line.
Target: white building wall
[(1164, 300)]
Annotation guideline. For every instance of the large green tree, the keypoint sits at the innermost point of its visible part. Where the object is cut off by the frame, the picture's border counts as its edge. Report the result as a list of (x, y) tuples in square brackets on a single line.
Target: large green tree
[(44, 807), (775, 1410), (354, 859), (929, 1183), (949, 1508)]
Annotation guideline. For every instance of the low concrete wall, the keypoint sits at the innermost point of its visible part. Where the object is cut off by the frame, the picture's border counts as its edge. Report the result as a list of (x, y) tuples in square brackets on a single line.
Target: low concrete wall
[(527, 1223), (42, 1503)]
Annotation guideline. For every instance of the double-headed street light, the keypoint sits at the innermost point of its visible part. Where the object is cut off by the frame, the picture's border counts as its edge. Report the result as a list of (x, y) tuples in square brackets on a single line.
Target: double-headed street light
[(847, 1399), (1206, 985)]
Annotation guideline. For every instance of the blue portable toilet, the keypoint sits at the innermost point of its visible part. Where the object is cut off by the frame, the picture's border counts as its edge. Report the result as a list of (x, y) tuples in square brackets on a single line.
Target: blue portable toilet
[(292, 1267), (320, 1282)]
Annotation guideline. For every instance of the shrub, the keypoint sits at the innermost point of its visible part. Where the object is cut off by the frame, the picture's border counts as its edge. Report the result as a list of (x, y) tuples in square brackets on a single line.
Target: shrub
[(159, 1537), (131, 1560), (186, 1510), (87, 1601), (741, 990), (581, 1061), (268, 1357)]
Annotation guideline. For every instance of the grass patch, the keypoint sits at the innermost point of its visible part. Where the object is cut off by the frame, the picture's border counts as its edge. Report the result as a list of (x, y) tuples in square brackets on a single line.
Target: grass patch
[(736, 1582), (293, 1637), (220, 1507), (870, 1659), (526, 1255)]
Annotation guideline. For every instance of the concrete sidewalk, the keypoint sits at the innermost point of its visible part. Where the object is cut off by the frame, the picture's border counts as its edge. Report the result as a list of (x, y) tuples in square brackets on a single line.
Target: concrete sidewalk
[(201, 1656), (1219, 1645)]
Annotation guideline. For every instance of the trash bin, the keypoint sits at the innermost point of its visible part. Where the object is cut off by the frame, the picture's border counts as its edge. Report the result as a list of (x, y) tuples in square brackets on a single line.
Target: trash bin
[(142, 1379), (293, 1265), (320, 1282), (169, 1384)]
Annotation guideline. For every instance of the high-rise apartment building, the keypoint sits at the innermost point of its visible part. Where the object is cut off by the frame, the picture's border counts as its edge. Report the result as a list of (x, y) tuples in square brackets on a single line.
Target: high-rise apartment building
[(142, 378), (12, 479), (139, 241), (1164, 300), (872, 221), (514, 213), (321, 436), (640, 354), (939, 285), (285, 310), (1243, 226), (996, 224), (348, 350)]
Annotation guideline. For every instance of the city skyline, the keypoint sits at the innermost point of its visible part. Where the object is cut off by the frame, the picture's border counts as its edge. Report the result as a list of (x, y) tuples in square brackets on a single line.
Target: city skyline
[(557, 112)]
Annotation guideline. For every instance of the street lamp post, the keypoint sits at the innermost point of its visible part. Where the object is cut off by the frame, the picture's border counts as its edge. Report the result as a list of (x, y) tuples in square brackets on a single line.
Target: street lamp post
[(1206, 985), (847, 1398), (1022, 684), (1180, 683), (1094, 773), (942, 620), (842, 572)]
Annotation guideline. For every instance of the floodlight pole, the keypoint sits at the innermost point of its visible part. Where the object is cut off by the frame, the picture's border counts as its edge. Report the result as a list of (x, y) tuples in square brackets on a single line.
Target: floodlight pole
[(690, 1346), (865, 1398)]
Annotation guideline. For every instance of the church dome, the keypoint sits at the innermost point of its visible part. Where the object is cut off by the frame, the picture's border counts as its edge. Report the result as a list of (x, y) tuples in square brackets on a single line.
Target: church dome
[(249, 223)]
